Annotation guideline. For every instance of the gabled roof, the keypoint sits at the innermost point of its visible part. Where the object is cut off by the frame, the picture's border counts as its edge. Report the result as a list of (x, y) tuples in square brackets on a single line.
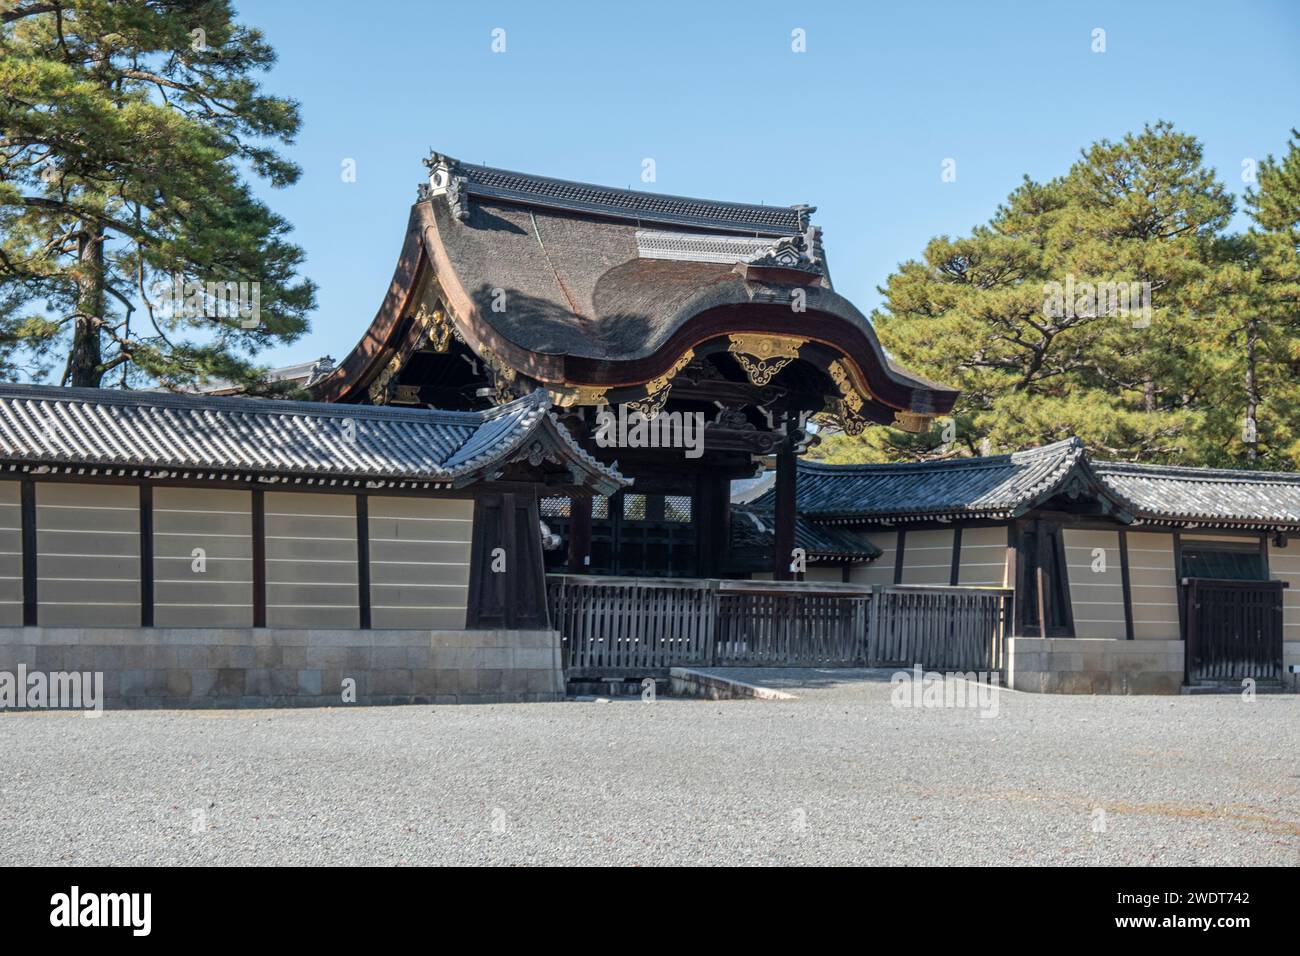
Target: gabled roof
[(1207, 496), (1000, 486), (1006, 486), (114, 432)]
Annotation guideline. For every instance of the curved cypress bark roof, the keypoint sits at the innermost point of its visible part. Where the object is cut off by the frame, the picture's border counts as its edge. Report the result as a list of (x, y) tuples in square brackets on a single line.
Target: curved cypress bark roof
[(574, 284)]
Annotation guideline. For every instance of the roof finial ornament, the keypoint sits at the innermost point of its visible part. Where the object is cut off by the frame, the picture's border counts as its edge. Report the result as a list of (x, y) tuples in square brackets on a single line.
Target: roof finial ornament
[(788, 252), (446, 178)]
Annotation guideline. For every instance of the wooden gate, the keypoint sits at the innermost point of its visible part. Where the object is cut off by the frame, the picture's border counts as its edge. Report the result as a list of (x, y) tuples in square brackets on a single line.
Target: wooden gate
[(1233, 629)]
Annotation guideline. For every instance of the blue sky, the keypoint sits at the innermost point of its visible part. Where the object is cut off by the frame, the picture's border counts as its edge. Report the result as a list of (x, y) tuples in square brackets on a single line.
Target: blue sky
[(859, 125)]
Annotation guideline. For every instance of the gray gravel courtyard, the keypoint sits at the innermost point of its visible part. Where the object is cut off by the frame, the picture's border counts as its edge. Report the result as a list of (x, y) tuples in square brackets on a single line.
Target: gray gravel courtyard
[(838, 776)]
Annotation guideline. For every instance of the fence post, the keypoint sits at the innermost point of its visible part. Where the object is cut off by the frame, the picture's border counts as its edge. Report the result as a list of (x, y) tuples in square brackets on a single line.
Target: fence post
[(712, 607), (874, 619)]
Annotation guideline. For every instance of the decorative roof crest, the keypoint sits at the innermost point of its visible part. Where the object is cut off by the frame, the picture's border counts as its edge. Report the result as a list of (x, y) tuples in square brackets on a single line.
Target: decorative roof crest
[(447, 178)]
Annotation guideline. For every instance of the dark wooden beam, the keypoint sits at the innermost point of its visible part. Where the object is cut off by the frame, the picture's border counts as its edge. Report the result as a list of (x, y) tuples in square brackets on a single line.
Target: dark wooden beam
[(783, 545), (363, 560), (710, 513), (579, 533), (898, 556), (1180, 593), (1128, 586), (146, 556), (1013, 579), (954, 572), (724, 390), (30, 603), (259, 558), (1040, 576), (1062, 568)]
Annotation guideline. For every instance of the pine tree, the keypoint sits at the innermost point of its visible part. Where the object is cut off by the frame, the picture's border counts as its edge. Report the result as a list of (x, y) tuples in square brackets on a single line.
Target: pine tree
[(1268, 295), (126, 129), (1078, 309)]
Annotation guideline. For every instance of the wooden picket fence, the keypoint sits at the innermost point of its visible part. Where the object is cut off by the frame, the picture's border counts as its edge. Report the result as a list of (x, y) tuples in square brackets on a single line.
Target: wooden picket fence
[(635, 627)]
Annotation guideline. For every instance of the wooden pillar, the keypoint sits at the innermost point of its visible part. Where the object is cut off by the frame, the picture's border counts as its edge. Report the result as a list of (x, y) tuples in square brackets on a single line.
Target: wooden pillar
[(364, 617), (579, 533), (1042, 581), (30, 577), (259, 558), (146, 556), (783, 545), (711, 515)]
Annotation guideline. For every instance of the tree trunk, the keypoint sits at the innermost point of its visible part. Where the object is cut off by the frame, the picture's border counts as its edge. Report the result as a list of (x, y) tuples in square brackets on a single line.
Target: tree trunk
[(1252, 393), (85, 361)]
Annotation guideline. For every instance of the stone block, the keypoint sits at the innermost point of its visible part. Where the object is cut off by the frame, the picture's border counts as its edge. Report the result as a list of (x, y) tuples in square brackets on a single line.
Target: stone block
[(257, 682), (179, 683), (493, 658), (1155, 683), (425, 680), (11, 656), (242, 656), (155, 682), (136, 656), (309, 682), (326, 656), (284, 683), (1145, 662), (386, 658), (108, 658), (531, 657), (202, 682), (133, 682), (463, 682), (50, 657), (544, 682), (393, 681), (229, 682)]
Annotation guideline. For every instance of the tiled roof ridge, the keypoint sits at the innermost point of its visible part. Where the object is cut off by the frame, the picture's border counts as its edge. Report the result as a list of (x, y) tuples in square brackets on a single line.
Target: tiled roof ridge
[(529, 188), (239, 404), (1070, 449), (1195, 473)]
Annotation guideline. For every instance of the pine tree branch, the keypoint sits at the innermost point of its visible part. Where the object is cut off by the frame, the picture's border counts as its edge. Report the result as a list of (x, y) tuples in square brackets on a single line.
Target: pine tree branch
[(18, 13)]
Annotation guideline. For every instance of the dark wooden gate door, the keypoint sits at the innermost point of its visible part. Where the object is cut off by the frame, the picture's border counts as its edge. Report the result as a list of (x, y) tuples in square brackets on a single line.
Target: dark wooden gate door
[(1234, 629)]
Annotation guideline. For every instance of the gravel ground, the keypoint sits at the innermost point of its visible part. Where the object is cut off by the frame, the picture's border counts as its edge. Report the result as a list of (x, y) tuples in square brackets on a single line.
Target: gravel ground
[(838, 776)]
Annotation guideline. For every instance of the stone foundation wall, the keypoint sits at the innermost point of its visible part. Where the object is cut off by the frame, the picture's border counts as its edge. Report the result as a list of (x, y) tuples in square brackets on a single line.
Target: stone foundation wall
[(1081, 665), (247, 667)]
